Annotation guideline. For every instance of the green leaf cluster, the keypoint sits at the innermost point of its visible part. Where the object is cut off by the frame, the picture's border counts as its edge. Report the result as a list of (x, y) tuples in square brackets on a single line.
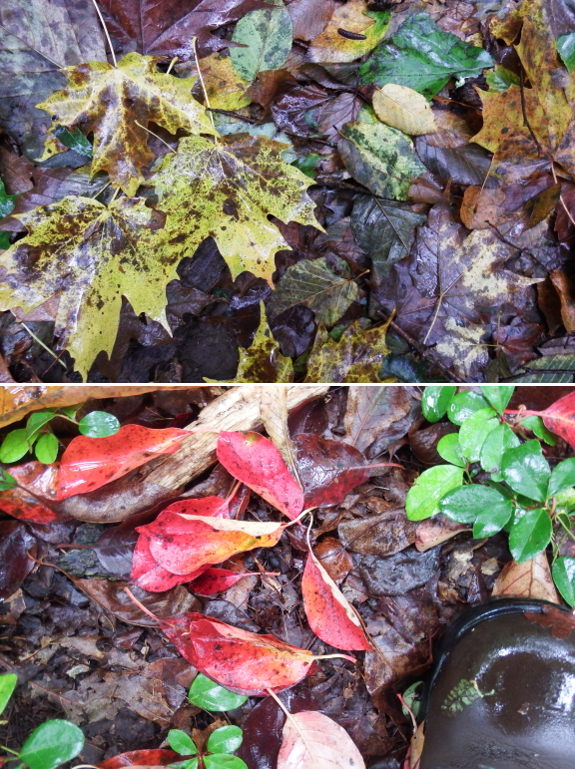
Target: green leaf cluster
[(518, 492)]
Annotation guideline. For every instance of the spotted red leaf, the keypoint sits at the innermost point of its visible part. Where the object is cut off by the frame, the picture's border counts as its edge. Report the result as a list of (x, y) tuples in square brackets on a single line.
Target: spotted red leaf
[(149, 575), (560, 418), (329, 614), (34, 497), (140, 758), (255, 461), (89, 463), (244, 662)]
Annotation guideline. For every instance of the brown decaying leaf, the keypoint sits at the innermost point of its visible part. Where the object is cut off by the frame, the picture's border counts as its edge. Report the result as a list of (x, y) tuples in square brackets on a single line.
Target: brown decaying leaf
[(531, 579)]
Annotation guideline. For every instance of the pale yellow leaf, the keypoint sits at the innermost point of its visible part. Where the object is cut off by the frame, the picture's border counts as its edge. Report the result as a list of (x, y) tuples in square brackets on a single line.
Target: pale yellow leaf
[(404, 109), (313, 741)]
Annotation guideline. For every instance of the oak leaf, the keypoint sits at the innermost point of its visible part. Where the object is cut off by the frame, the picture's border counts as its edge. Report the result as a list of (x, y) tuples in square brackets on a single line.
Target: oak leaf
[(117, 103), (88, 255), (228, 189)]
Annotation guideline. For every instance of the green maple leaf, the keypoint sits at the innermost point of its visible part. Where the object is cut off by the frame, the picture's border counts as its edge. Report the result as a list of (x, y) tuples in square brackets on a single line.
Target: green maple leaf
[(227, 189), (88, 255), (262, 361), (117, 103)]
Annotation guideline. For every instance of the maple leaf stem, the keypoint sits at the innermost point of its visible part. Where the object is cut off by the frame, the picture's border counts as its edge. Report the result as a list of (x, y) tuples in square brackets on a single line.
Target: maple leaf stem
[(103, 23), (336, 656), (206, 97), (300, 516)]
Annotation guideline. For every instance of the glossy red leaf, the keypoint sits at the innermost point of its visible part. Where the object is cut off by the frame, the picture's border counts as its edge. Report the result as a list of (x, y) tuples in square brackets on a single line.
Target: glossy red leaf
[(35, 495), (328, 612), (15, 565), (329, 470), (140, 758), (89, 463), (255, 461), (560, 418), (185, 543), (149, 575), (212, 506), (214, 580), (244, 662)]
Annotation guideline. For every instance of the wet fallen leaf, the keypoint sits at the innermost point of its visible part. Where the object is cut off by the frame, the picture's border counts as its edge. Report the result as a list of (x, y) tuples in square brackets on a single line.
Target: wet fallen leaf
[(560, 621), (15, 543), (357, 357), (530, 579), (367, 26), (117, 103), (334, 558), (274, 414), (34, 498), (560, 418), (314, 740), (405, 109), (214, 580), (138, 759), (89, 463)]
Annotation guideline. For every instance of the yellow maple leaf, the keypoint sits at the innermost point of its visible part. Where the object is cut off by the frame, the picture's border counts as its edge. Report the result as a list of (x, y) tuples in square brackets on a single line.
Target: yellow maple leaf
[(117, 103)]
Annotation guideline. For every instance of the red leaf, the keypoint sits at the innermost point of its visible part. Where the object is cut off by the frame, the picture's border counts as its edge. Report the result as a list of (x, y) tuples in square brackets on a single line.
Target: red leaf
[(149, 575), (255, 461), (140, 758), (213, 581), (185, 543), (89, 463), (328, 469), (244, 662), (330, 615), (212, 506), (31, 500), (560, 418)]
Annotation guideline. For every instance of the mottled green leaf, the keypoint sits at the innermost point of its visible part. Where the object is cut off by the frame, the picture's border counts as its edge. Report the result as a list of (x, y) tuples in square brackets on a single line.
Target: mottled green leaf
[(384, 229), (316, 285), (551, 369), (379, 157), (423, 57), (267, 35), (356, 357)]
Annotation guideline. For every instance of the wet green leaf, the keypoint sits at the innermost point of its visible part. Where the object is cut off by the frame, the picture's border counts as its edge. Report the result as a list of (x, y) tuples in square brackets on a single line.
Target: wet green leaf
[(467, 503), (8, 683), (380, 157), (99, 424), (46, 448), (181, 742), (566, 49), (463, 405), (498, 396), (526, 470), (564, 577), (209, 695), (537, 427), (51, 744), (449, 449), (267, 35), (530, 534), (435, 401), (423, 57), (36, 422), (14, 446), (7, 481), (430, 487), (224, 761), (226, 739), (317, 286), (474, 432), (496, 444), (562, 477)]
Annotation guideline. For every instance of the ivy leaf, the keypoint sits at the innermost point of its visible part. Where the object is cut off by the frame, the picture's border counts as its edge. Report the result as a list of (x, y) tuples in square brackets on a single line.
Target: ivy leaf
[(89, 255), (423, 57), (379, 157), (357, 357), (526, 470), (530, 534), (262, 361), (266, 39), (117, 103), (314, 284), (430, 487), (227, 189), (564, 577)]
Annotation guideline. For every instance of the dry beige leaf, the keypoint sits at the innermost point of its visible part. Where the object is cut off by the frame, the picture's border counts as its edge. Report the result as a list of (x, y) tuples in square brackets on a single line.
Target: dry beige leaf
[(274, 414), (436, 530), (405, 109), (531, 579), (314, 741)]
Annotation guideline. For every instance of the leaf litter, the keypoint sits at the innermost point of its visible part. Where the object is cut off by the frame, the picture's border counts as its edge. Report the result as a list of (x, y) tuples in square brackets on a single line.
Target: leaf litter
[(208, 149)]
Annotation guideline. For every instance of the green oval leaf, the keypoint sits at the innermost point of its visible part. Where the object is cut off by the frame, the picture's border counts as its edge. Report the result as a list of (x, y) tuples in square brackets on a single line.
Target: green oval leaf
[(181, 742), (36, 422), (496, 444), (191, 763), (224, 761), (51, 744), (467, 502), (435, 401), (566, 49), (526, 470), (564, 577), (423, 498), (211, 696), (474, 431), (14, 446), (492, 519), (46, 448), (530, 534), (7, 481), (98, 424), (562, 477), (537, 426), (449, 449), (8, 683), (226, 739), (463, 405), (498, 396), (267, 35)]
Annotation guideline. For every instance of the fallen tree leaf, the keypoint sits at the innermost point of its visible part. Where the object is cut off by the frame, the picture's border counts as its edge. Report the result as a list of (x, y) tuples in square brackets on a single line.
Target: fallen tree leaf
[(265, 37), (355, 18), (227, 190), (89, 463), (274, 414), (214, 580), (530, 579), (15, 543), (117, 103), (404, 109), (328, 612), (372, 410), (560, 418), (138, 759), (255, 461), (357, 357), (313, 740), (225, 88), (149, 575), (34, 498)]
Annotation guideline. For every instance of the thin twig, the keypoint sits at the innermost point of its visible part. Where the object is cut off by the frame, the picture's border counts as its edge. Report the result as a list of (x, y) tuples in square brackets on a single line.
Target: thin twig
[(425, 353), (206, 97), (106, 33), (526, 122), (159, 138), (34, 337)]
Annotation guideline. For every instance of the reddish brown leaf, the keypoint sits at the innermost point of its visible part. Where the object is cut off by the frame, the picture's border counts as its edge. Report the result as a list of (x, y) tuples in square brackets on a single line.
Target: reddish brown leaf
[(328, 469), (244, 662), (330, 615), (560, 418), (255, 461), (33, 497), (213, 581), (140, 758), (15, 542), (560, 621), (89, 463)]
